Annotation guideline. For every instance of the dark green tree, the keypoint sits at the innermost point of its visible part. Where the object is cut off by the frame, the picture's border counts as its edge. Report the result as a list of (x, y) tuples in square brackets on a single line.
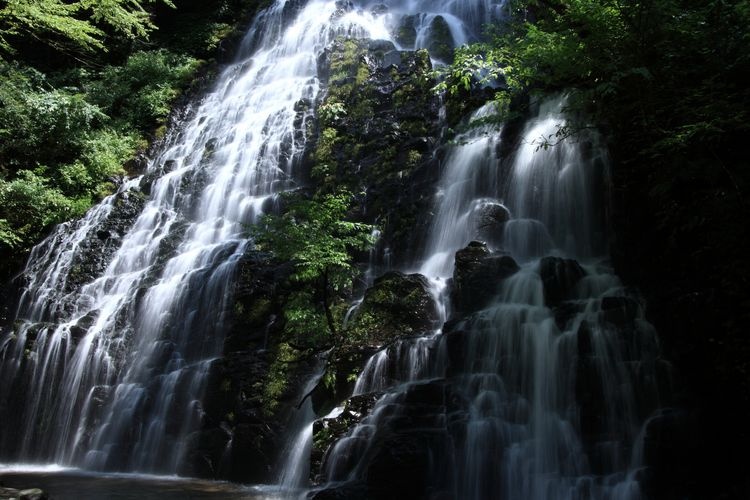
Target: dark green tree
[(80, 25), (315, 235)]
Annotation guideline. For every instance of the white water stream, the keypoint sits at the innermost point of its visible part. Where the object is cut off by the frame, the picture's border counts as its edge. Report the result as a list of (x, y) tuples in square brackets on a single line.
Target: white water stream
[(127, 393), (526, 433)]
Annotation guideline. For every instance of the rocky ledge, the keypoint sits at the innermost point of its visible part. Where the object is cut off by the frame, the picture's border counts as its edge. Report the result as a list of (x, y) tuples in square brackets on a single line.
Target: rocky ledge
[(27, 494)]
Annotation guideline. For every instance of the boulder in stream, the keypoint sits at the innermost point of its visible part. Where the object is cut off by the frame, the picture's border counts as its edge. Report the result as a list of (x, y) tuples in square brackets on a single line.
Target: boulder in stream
[(477, 276)]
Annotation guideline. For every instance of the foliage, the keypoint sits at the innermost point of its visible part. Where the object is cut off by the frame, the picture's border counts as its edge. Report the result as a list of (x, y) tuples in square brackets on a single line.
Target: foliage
[(668, 68), (315, 235), (82, 91), (80, 25), (140, 92), (72, 134), (28, 206), (38, 123)]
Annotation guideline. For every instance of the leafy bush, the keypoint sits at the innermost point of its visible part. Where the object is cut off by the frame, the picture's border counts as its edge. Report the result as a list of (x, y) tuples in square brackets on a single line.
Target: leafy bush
[(139, 94), (29, 207), (39, 124)]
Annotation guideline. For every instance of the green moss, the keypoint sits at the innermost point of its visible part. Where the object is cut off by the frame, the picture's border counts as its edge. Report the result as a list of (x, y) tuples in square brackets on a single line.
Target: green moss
[(277, 379)]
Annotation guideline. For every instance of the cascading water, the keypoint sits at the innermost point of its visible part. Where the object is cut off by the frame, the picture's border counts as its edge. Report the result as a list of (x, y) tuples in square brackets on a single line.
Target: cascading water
[(110, 374), (542, 394), (543, 401)]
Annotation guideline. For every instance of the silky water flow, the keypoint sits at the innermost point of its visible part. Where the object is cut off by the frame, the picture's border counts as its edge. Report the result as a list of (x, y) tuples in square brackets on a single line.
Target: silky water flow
[(547, 397)]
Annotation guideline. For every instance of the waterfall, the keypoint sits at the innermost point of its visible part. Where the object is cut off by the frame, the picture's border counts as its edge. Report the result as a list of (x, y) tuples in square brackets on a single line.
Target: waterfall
[(546, 397), (107, 371), (549, 391)]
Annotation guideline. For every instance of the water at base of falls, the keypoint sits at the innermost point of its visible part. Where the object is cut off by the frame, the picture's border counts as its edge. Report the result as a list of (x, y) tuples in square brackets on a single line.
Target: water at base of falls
[(63, 483)]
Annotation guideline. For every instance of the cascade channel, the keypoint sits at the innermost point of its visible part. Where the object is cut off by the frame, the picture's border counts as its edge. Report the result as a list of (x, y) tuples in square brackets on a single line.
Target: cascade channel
[(109, 373), (540, 390)]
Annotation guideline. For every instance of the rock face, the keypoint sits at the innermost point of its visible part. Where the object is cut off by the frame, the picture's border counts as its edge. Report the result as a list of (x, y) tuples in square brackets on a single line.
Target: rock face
[(377, 130), (440, 42), (396, 305), (327, 431), (409, 440), (477, 274), (253, 389)]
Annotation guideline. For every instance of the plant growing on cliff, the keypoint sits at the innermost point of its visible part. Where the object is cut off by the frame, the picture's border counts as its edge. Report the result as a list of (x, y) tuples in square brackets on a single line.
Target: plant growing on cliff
[(79, 26), (315, 235)]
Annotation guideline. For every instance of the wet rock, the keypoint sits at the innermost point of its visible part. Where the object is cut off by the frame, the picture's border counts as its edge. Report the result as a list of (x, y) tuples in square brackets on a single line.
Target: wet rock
[(342, 368), (401, 457), (559, 277), (327, 431), (406, 33), (396, 305), (342, 7), (490, 219), (99, 247), (619, 310), (456, 341), (477, 275), (379, 9), (79, 329), (25, 494), (565, 312), (376, 133), (440, 41)]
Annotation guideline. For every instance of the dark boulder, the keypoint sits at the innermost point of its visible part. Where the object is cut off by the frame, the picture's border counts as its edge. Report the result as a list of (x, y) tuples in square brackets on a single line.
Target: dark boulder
[(406, 32), (440, 41), (342, 368), (477, 276), (560, 277), (397, 305), (619, 310), (489, 219)]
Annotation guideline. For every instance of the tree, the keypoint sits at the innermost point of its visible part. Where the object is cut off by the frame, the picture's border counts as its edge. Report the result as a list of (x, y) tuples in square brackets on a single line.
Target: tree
[(81, 25), (315, 235)]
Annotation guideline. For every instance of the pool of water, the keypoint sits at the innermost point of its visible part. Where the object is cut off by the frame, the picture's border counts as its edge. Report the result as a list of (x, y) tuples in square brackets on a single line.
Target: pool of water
[(75, 484)]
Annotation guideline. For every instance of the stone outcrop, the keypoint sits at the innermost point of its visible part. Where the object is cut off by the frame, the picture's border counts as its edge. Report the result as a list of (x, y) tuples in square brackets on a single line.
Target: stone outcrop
[(396, 305), (477, 275), (377, 134), (24, 494)]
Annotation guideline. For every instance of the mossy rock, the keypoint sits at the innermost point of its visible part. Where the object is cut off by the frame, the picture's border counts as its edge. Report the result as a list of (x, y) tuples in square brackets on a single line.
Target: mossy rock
[(405, 33), (440, 41), (396, 305)]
